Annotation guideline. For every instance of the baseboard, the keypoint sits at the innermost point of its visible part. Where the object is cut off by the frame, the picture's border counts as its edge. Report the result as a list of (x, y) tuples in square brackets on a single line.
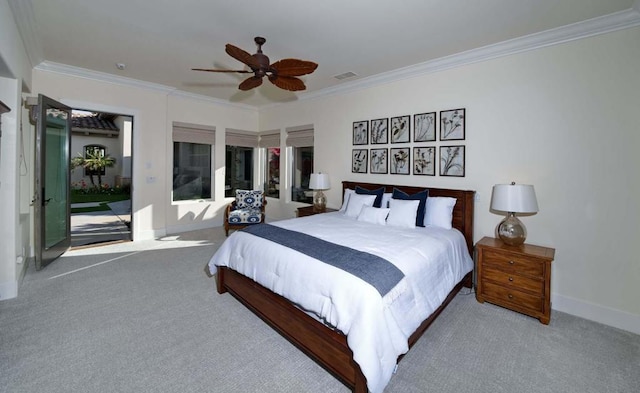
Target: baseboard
[(22, 269), (8, 290), (593, 312)]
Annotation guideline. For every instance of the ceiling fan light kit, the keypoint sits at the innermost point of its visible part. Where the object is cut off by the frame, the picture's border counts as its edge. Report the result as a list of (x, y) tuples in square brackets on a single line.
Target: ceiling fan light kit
[(283, 73)]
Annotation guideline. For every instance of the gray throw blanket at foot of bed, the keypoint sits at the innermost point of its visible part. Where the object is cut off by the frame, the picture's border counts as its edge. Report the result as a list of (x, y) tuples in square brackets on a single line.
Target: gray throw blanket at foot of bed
[(377, 271)]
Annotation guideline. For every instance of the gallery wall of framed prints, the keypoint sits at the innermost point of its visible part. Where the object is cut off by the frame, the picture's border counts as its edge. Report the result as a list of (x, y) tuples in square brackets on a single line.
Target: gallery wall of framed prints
[(430, 144)]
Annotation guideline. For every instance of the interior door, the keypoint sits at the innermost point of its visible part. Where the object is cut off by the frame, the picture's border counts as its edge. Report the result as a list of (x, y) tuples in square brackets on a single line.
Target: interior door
[(52, 207)]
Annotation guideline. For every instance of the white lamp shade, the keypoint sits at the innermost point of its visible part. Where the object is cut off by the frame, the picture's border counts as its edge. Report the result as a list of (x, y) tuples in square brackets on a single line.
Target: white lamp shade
[(516, 198), (319, 181)]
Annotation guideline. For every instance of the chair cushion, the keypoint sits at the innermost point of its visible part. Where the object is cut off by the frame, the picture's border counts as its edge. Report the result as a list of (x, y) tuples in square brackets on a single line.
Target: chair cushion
[(245, 216), (249, 199)]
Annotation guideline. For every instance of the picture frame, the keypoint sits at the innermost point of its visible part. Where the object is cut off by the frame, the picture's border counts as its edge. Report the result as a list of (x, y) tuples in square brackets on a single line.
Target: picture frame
[(452, 125), (359, 160), (361, 132), (424, 127), (379, 160), (379, 131), (399, 160), (452, 160), (424, 160), (400, 129)]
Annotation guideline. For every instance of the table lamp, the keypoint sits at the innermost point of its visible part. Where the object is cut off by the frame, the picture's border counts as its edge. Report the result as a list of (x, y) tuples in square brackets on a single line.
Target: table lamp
[(513, 198), (319, 182)]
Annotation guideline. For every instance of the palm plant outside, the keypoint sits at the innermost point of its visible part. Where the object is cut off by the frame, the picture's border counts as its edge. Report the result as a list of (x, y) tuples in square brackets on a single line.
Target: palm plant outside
[(95, 162)]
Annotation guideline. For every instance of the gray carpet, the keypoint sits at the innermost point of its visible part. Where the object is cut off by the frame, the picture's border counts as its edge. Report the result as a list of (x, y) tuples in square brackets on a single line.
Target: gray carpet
[(144, 317)]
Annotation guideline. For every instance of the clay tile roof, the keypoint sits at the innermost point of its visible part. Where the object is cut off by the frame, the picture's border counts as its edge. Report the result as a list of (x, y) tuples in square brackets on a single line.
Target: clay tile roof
[(96, 122)]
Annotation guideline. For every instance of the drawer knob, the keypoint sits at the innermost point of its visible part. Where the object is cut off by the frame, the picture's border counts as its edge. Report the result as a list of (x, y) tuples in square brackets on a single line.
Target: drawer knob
[(510, 296), (511, 262), (510, 278)]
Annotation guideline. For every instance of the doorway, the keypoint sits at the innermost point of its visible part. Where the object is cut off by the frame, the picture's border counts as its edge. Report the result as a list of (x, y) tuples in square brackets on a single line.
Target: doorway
[(101, 178)]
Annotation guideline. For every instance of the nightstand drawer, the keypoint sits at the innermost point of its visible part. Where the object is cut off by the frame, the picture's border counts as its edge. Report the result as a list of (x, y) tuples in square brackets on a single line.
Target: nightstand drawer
[(513, 280), (521, 264), (503, 295)]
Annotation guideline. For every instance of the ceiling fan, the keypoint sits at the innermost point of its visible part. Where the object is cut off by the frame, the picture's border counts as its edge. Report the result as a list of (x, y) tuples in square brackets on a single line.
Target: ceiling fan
[(282, 73)]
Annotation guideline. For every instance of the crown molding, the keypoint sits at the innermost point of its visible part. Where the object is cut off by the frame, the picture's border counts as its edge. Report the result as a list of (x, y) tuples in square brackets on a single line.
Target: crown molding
[(600, 25), (78, 72), (84, 73)]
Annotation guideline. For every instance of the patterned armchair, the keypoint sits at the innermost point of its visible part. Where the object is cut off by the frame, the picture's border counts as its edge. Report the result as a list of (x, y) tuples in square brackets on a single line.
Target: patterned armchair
[(247, 209)]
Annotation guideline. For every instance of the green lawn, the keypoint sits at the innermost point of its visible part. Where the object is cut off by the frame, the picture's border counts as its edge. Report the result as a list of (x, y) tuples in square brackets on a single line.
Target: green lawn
[(104, 198), (81, 198), (102, 207)]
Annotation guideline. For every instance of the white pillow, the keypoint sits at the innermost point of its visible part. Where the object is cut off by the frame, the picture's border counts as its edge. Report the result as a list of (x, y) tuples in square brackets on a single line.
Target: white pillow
[(356, 202), (374, 215), (439, 212), (402, 213), (385, 199), (345, 199)]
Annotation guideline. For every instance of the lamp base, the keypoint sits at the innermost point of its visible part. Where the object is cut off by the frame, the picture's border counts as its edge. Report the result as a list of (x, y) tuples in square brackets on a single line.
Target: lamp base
[(319, 202), (511, 230)]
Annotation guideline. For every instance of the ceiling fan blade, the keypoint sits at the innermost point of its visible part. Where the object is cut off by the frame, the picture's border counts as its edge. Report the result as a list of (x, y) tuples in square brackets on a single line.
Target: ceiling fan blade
[(250, 83), (212, 70), (290, 83), (294, 67), (242, 56)]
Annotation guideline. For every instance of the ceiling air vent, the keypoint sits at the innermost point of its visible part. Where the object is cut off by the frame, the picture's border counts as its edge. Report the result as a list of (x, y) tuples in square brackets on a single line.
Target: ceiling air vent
[(345, 75)]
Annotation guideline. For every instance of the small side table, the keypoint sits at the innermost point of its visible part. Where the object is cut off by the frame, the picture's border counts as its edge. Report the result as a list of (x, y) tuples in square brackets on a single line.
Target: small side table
[(515, 277), (308, 211)]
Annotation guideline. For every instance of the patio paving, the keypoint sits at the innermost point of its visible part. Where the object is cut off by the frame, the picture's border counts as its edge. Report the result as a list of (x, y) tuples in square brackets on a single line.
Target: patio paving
[(101, 226)]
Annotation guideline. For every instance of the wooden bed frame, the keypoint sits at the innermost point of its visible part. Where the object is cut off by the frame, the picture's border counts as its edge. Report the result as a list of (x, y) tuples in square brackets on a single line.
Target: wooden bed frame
[(327, 346)]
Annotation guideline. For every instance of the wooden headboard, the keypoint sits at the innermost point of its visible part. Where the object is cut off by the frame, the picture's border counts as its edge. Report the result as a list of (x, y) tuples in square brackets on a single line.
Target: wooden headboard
[(462, 212)]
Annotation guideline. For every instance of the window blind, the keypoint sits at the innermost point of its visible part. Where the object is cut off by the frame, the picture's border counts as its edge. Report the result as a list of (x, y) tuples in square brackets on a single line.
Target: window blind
[(300, 137), (241, 138), (270, 139), (194, 134)]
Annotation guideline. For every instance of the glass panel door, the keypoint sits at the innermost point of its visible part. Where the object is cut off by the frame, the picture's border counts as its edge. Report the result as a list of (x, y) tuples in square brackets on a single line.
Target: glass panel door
[(52, 207)]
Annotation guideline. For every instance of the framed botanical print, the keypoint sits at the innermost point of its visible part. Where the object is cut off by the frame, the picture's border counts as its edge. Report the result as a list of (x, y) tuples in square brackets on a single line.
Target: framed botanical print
[(379, 161), (379, 131), (399, 161), (359, 161), (361, 132), (424, 161), (424, 127), (452, 125), (400, 129), (452, 160)]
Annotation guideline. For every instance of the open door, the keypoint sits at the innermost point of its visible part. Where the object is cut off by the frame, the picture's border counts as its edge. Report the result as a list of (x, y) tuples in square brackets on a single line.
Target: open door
[(52, 160)]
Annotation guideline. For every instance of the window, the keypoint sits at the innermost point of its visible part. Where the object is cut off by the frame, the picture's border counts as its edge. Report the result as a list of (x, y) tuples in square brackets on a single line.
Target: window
[(270, 141), (272, 173), (239, 170), (301, 141), (192, 158), (240, 147)]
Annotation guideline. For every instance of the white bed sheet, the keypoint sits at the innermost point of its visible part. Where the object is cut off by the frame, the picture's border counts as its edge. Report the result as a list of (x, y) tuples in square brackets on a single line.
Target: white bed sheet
[(433, 260)]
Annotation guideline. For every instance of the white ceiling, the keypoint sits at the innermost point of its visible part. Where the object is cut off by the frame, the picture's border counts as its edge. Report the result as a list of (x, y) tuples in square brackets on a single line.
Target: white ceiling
[(159, 41)]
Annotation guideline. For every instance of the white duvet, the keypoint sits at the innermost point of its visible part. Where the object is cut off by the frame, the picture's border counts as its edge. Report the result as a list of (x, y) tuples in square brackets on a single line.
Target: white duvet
[(432, 259)]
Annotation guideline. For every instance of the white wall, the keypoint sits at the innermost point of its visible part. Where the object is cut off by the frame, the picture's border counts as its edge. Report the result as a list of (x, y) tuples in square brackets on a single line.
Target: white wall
[(15, 75), (563, 118)]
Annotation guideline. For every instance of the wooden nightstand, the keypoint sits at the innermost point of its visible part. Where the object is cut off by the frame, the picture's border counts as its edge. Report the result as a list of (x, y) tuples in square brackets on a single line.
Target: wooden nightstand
[(515, 277), (308, 211)]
